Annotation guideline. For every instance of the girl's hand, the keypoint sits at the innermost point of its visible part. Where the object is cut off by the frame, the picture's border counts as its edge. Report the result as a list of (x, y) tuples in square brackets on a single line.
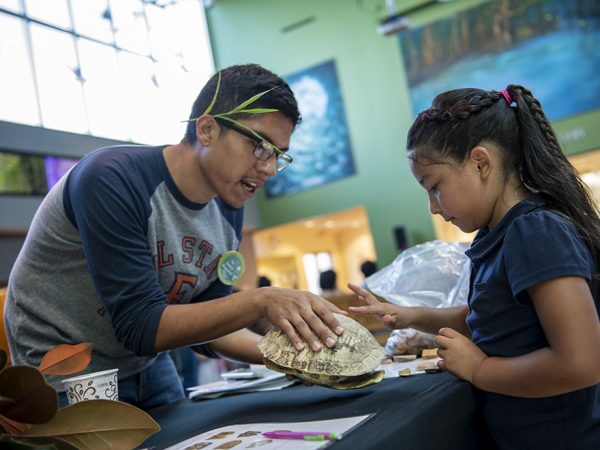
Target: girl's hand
[(392, 316), (460, 356)]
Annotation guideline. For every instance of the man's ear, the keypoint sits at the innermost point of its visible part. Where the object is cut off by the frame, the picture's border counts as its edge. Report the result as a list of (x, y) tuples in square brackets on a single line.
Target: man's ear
[(479, 158), (206, 129)]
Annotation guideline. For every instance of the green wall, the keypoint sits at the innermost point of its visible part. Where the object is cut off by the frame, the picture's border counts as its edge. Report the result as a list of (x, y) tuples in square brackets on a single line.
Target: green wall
[(375, 96)]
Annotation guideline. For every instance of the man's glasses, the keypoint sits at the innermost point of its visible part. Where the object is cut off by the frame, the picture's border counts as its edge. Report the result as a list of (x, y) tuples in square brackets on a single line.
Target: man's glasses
[(263, 149)]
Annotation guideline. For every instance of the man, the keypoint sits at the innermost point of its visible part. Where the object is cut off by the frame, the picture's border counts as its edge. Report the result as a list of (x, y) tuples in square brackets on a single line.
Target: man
[(124, 251)]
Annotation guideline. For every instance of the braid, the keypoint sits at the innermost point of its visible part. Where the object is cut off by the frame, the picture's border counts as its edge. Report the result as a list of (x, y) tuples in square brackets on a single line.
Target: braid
[(461, 119), (540, 117), (435, 115), (546, 169), (461, 110), (474, 104)]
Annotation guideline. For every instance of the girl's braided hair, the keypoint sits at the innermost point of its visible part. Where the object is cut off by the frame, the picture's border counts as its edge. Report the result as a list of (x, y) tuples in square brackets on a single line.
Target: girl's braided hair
[(461, 119)]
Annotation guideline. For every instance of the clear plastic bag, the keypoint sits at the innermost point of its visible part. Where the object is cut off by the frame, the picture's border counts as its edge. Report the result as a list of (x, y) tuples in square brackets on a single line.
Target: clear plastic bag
[(434, 274)]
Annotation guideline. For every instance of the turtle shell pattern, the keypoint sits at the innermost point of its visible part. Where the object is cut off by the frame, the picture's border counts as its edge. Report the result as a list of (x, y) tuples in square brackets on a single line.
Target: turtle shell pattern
[(350, 364)]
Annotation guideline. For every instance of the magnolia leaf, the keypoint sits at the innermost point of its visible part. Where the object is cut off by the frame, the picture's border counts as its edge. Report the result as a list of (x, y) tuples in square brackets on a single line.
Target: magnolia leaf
[(12, 426), (209, 107), (249, 101), (98, 424), (19, 443), (3, 359), (65, 359), (34, 400)]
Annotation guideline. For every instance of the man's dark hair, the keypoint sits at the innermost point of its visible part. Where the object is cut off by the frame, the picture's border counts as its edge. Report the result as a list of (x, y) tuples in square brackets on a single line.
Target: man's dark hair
[(238, 84), (368, 268), (327, 280)]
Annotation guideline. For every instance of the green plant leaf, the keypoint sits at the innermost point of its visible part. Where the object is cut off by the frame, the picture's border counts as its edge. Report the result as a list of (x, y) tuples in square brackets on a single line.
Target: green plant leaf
[(257, 110), (97, 425), (34, 400), (241, 108), (247, 111), (3, 359), (65, 359), (248, 102), (210, 106)]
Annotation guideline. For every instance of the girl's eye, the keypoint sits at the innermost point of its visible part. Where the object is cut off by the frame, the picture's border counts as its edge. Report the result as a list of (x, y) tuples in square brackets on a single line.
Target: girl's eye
[(433, 189)]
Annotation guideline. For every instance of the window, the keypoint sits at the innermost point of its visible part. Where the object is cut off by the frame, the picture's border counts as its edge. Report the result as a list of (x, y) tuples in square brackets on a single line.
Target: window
[(92, 18), (121, 69), (52, 12), (59, 80), (11, 5), (17, 86)]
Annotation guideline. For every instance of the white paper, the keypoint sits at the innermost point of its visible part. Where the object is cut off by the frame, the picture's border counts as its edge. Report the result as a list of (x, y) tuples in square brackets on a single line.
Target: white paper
[(272, 386), (250, 435), (270, 381)]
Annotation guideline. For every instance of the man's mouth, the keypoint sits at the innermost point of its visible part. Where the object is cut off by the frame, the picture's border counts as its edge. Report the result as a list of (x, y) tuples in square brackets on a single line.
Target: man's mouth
[(250, 186)]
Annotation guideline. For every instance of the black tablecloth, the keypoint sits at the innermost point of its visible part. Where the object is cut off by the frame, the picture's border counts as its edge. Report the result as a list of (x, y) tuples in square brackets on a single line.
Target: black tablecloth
[(428, 411)]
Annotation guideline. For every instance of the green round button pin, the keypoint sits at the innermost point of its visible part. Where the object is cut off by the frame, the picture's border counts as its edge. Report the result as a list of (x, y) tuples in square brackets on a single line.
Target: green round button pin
[(231, 267)]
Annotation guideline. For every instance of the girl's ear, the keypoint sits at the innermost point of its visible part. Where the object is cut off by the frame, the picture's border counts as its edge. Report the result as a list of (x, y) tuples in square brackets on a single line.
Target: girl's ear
[(206, 129), (479, 159)]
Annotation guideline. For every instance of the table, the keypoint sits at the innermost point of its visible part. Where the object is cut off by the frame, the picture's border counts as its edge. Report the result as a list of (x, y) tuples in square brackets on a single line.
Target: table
[(420, 412)]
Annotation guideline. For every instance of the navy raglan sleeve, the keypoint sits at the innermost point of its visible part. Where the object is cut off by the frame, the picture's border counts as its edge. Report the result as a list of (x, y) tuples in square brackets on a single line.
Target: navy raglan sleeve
[(540, 246), (111, 215)]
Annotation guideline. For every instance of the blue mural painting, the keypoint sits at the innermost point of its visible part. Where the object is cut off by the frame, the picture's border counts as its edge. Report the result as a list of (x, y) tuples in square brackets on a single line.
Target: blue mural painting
[(321, 145), (550, 46)]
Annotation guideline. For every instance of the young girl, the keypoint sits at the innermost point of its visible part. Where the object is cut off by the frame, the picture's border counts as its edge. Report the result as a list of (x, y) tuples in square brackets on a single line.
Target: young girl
[(530, 335)]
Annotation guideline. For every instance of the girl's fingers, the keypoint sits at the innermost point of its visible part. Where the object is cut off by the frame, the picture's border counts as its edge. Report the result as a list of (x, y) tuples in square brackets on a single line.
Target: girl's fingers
[(449, 332), (371, 310), (367, 298), (361, 292), (442, 341), (355, 288)]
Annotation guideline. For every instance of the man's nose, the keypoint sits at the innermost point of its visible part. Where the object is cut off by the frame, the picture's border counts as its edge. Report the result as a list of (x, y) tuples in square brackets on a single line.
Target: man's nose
[(268, 167)]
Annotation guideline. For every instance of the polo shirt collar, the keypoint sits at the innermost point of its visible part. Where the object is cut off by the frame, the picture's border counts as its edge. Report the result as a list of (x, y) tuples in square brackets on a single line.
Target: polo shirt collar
[(487, 239)]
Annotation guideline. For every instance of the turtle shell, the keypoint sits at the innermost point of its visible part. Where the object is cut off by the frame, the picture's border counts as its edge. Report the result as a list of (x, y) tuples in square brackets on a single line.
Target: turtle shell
[(350, 364)]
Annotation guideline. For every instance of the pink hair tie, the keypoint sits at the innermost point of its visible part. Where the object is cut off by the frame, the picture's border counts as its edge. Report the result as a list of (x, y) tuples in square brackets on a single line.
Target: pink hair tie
[(506, 96)]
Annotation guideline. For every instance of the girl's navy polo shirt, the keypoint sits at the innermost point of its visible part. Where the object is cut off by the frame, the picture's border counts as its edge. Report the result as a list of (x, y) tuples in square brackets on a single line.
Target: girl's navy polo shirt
[(531, 244)]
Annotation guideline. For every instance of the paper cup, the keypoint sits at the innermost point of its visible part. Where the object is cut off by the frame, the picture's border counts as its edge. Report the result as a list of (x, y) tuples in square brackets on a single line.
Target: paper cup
[(92, 386)]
